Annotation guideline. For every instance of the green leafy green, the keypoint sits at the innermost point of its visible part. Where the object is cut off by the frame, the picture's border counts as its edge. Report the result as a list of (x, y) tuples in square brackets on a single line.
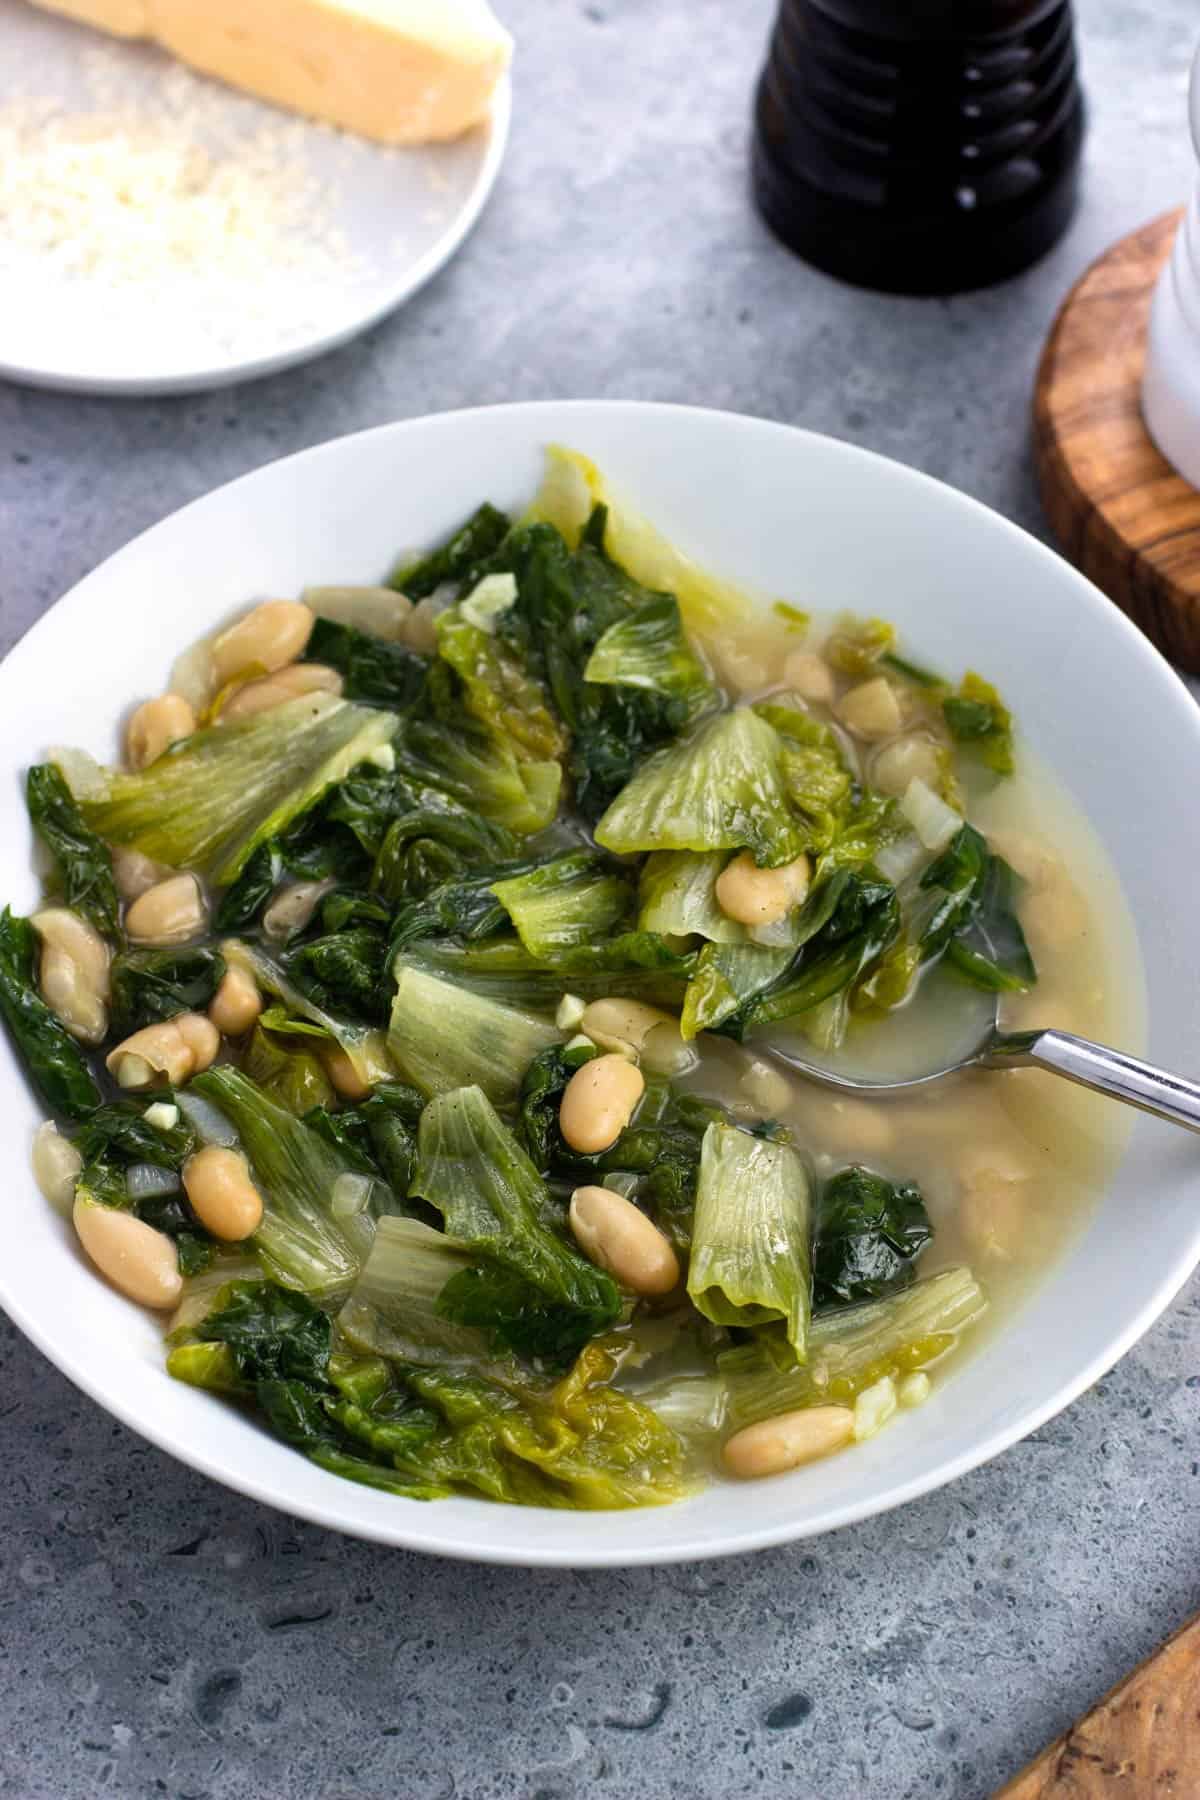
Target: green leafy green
[(975, 921), (532, 1290), (299, 1014), (499, 691), (443, 1037), (729, 978), (439, 745), (678, 896), (344, 972), (83, 864), (433, 841), (211, 800), (850, 1348), (718, 789), (561, 905), (649, 649), (53, 1060), (373, 669), (457, 559), (869, 1234), (300, 1242), (856, 645), (117, 1138), (393, 1310), (287, 1069), (465, 907), (980, 721), (148, 985), (379, 1135), (750, 1260), (502, 969), (567, 601)]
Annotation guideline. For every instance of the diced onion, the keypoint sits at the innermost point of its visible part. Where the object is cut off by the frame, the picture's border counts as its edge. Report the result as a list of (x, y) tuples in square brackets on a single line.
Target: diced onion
[(873, 1408), (162, 1116), (81, 772), (146, 1181), (897, 861), (570, 1012), (915, 1389), (934, 822), (494, 595), (207, 1121)]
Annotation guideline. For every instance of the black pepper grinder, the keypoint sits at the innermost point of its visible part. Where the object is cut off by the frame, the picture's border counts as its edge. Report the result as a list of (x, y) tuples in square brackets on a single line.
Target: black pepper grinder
[(920, 146)]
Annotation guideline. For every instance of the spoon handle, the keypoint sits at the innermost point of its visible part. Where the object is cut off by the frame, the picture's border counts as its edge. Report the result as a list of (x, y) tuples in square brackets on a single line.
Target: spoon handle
[(1109, 1072)]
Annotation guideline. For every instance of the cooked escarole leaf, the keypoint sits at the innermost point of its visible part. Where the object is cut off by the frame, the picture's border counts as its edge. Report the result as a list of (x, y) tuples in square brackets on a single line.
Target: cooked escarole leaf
[(851, 1348), (269, 1346), (718, 789), (443, 1036), (344, 972), (439, 745), (567, 601), (975, 921), (373, 669), (532, 1290), (363, 1044), (379, 1135), (557, 906), (52, 1059), (571, 491), (650, 649), (981, 723), (678, 896), (869, 1234), (209, 801), (393, 1309), (730, 977), (83, 864), (159, 984), (581, 1444), (465, 907), (455, 560), (502, 969), (499, 691), (750, 1242), (433, 841), (287, 1069), (301, 1241)]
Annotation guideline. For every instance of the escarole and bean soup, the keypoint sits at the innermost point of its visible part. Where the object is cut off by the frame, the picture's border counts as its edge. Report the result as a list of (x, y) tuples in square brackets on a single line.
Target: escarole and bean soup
[(403, 1004)]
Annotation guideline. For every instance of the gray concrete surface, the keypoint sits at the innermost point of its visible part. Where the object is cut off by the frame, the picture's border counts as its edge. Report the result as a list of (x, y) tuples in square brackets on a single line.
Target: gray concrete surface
[(163, 1637)]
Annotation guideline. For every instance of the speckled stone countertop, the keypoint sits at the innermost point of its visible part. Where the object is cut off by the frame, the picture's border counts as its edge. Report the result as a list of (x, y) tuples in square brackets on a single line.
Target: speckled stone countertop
[(162, 1636)]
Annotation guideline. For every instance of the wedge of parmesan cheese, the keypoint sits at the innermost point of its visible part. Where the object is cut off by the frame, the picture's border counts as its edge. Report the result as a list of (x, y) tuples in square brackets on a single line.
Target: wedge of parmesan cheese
[(396, 71)]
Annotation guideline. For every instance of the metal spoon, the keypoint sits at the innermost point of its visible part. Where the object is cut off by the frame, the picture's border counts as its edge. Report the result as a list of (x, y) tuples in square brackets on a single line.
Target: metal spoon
[(1091, 1065)]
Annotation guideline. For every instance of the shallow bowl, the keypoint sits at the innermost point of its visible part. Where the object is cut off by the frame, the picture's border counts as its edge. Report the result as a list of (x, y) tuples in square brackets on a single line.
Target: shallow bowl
[(794, 515)]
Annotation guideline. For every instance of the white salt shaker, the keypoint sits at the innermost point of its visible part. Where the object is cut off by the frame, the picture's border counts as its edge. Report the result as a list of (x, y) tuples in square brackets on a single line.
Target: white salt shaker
[(1171, 385)]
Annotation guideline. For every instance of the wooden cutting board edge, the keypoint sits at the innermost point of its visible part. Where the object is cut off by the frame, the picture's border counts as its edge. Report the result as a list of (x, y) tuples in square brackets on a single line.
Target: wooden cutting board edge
[(1141, 1742)]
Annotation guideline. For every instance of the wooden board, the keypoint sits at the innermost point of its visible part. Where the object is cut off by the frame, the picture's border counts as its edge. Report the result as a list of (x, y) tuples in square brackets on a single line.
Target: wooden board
[(1141, 1743), (1121, 512)]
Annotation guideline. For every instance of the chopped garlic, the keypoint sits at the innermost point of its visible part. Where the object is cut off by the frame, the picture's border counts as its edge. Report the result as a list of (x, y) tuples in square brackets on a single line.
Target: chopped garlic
[(873, 1408), (570, 1012), (162, 1116)]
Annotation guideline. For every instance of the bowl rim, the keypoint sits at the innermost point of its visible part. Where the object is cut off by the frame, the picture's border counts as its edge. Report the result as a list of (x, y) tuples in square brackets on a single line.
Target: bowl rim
[(686, 1548)]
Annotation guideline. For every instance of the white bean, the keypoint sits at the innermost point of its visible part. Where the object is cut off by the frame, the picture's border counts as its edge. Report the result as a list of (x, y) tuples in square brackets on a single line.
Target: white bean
[(810, 676), (599, 1102), (268, 638), (613, 1233), (134, 873), (292, 908), (236, 1004), (56, 1166), (155, 726), (274, 690), (157, 1052), (73, 973), (345, 1078), (616, 1023), (141, 1262), (766, 1088), (754, 896), (224, 1198), (914, 757), (171, 912), (871, 710), (418, 631), (201, 1037), (787, 1441)]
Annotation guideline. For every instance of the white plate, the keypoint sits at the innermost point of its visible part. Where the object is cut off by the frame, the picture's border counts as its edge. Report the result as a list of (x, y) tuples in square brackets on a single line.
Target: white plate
[(792, 514), (395, 217)]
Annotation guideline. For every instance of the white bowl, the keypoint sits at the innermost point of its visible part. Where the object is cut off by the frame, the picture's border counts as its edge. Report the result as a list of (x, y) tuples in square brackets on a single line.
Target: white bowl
[(792, 514)]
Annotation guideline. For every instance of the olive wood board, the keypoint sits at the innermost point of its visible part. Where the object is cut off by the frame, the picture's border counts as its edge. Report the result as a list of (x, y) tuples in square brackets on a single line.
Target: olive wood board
[(1121, 512), (1142, 1742)]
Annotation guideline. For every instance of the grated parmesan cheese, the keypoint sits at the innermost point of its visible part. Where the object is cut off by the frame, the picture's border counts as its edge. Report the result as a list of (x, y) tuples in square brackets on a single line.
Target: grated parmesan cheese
[(166, 207)]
